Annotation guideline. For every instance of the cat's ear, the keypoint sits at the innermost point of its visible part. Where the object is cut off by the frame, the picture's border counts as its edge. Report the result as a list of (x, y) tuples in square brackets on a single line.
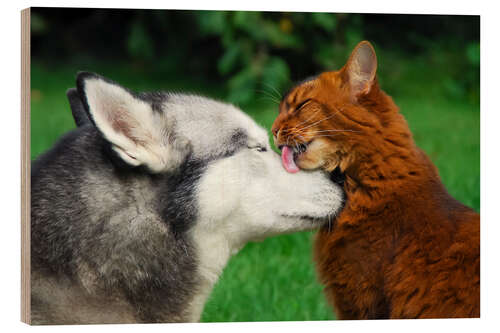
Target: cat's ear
[(138, 134), (361, 68)]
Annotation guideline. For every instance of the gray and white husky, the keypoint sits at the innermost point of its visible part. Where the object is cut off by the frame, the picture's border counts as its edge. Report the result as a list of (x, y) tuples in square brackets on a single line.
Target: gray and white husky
[(135, 213)]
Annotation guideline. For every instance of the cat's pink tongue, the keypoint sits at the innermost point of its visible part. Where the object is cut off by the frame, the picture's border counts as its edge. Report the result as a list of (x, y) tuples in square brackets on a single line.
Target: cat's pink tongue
[(287, 159)]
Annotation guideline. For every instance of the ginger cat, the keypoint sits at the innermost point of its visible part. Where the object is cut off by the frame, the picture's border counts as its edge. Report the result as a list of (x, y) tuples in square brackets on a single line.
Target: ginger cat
[(402, 247)]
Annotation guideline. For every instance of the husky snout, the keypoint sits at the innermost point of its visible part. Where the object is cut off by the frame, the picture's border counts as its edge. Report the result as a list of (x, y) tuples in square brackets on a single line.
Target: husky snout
[(148, 198)]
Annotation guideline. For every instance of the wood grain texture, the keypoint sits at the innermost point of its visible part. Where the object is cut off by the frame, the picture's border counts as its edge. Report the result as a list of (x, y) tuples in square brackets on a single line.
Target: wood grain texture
[(25, 166)]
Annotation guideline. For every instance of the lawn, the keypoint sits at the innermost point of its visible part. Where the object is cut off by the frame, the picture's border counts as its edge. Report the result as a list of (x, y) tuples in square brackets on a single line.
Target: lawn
[(275, 279)]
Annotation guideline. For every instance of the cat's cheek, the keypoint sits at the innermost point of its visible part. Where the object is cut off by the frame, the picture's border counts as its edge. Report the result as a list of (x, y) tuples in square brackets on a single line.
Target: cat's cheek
[(310, 161), (315, 156), (309, 165)]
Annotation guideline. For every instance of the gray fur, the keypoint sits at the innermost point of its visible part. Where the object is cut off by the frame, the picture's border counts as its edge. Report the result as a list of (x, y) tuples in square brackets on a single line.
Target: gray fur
[(113, 242), (79, 235), (77, 109)]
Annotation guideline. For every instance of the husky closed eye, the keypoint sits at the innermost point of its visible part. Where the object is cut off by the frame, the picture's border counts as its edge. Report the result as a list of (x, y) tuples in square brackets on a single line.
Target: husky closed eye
[(259, 148), (155, 239)]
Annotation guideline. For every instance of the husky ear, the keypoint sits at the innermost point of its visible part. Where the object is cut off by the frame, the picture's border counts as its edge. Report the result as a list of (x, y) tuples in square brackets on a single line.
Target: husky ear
[(139, 135), (77, 109), (361, 69)]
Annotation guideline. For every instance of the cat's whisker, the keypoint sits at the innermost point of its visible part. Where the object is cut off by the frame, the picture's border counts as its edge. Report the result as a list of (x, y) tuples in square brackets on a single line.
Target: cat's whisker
[(301, 137), (314, 134), (325, 136), (319, 121), (307, 120), (296, 145), (271, 97), (274, 89), (322, 135), (334, 130), (286, 130), (267, 98)]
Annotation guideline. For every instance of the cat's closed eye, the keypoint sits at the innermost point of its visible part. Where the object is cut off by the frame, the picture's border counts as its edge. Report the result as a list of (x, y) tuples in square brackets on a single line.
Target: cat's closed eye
[(301, 105)]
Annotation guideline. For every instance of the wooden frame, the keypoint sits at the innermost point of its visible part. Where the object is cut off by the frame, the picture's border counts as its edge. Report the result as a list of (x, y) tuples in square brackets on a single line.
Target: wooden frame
[(25, 167)]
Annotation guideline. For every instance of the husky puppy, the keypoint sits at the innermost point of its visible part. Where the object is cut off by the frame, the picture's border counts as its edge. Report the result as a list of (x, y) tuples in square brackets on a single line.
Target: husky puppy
[(135, 213)]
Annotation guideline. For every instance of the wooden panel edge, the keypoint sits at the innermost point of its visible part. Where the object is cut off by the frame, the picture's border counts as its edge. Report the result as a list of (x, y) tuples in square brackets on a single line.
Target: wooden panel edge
[(25, 166)]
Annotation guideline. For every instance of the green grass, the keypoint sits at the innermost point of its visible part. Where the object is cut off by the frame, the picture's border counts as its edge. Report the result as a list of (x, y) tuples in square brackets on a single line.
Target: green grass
[(275, 279)]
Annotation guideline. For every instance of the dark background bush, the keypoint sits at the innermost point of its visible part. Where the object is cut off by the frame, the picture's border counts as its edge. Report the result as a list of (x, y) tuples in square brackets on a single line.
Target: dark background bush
[(256, 51)]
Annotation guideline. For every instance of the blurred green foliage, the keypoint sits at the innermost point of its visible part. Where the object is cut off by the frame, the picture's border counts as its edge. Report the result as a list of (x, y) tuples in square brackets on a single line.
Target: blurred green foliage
[(139, 43), (256, 53)]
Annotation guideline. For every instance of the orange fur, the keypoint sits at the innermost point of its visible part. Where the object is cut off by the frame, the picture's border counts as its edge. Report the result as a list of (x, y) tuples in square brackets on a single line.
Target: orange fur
[(402, 247)]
